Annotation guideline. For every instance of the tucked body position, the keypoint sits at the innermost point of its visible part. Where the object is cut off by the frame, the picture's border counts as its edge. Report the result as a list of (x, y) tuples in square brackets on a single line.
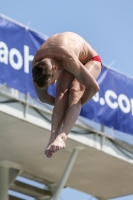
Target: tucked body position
[(70, 61)]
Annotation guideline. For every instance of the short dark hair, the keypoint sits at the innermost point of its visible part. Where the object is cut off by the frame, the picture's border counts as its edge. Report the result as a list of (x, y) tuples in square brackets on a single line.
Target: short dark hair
[(41, 73)]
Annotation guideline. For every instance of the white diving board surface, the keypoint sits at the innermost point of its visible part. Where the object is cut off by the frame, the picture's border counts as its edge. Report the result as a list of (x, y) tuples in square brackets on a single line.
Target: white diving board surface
[(103, 167)]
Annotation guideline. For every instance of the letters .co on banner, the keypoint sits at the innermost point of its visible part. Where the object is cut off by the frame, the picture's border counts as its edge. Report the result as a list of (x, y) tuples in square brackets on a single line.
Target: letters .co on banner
[(112, 106)]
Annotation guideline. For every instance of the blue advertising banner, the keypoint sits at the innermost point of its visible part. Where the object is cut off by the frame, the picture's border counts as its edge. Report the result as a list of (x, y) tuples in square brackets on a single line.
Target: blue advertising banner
[(17, 47), (112, 106)]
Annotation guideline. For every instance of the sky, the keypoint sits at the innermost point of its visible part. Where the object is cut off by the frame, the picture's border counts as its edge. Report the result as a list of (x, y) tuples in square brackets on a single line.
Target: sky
[(107, 25)]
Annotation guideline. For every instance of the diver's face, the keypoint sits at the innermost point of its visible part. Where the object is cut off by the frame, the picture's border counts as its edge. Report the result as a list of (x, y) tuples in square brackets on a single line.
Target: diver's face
[(55, 76), (51, 81)]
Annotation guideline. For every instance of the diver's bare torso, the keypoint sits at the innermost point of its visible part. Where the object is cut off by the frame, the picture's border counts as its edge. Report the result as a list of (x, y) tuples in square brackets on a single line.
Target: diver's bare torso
[(67, 40)]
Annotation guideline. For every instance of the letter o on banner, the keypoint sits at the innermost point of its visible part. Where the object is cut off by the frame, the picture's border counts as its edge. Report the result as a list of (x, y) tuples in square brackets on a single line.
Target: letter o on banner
[(16, 65), (123, 98)]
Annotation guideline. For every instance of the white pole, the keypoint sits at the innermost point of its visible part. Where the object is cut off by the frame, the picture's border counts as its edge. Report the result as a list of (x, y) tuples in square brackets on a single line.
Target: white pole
[(66, 173), (103, 137), (4, 181)]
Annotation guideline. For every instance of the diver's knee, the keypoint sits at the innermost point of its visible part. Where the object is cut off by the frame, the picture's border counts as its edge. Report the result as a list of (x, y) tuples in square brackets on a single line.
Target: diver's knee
[(75, 94)]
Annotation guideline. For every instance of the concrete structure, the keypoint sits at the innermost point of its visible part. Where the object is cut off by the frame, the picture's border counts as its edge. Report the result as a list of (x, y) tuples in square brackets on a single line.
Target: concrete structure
[(92, 162)]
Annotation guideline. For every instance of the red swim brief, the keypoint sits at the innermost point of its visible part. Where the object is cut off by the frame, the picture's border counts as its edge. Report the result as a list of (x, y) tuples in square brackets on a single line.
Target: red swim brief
[(96, 58)]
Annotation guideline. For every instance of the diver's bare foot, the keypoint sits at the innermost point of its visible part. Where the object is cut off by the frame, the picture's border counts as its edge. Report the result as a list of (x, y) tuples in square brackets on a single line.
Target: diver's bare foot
[(47, 152), (57, 144)]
